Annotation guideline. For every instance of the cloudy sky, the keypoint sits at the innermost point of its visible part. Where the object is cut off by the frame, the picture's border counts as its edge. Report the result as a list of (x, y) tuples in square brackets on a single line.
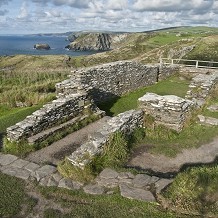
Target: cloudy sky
[(44, 16)]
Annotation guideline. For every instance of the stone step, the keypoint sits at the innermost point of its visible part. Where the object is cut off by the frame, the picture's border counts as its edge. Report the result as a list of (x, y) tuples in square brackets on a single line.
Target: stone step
[(46, 133)]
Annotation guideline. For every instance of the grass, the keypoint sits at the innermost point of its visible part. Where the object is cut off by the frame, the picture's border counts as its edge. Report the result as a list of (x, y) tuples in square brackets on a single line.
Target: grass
[(108, 206), (13, 196), (170, 143), (195, 191), (171, 86)]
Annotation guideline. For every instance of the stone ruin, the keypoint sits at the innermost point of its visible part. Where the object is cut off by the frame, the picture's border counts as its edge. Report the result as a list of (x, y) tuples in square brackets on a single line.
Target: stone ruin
[(125, 122), (78, 94), (169, 110), (201, 86)]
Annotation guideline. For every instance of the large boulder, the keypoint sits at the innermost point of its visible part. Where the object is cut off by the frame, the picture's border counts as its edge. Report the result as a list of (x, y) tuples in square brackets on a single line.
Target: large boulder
[(42, 46)]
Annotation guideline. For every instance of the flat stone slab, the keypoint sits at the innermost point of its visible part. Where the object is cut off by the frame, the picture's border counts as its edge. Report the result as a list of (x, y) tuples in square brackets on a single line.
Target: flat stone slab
[(93, 189), (162, 184), (108, 174), (44, 171), (19, 163), (32, 167), (6, 159), (17, 172), (208, 120), (109, 183), (69, 184), (141, 180), (136, 193), (213, 108)]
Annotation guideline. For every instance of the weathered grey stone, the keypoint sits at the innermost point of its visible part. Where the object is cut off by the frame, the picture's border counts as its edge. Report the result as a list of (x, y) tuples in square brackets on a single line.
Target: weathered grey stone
[(19, 163), (69, 184), (125, 122), (6, 159), (200, 87), (52, 182), (108, 174), (32, 167), (141, 180), (208, 120), (213, 108), (44, 171), (44, 181), (169, 110), (17, 172), (109, 183), (136, 193), (93, 189), (154, 179), (162, 184), (126, 175)]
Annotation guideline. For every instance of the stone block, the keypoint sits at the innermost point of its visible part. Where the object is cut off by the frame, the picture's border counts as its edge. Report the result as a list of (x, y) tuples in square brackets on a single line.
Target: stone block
[(32, 167), (44, 171), (19, 163), (93, 189), (136, 193), (141, 180), (17, 172), (162, 184), (6, 159)]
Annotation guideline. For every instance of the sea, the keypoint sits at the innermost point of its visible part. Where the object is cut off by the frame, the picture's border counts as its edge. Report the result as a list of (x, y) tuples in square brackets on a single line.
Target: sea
[(24, 44)]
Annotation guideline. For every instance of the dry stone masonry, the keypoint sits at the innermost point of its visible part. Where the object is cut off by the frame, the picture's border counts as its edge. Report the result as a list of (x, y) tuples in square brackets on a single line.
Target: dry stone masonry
[(201, 86), (125, 122), (115, 79), (76, 94), (169, 110), (51, 114)]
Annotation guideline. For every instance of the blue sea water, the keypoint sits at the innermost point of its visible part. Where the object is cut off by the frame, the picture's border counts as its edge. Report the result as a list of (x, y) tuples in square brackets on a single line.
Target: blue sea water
[(14, 45)]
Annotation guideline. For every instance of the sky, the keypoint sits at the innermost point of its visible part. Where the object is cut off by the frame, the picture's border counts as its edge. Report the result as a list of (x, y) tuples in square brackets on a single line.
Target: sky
[(56, 16)]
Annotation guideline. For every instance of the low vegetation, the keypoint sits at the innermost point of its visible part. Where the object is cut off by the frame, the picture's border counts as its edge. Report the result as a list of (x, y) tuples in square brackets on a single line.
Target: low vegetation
[(13, 197), (195, 191)]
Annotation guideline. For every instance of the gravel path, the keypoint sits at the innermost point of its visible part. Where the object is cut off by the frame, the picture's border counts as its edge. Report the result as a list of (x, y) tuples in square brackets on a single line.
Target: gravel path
[(58, 150), (161, 164)]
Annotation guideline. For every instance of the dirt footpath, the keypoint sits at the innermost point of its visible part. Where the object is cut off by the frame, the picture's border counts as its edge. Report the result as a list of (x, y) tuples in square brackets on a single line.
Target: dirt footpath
[(64, 147), (161, 164)]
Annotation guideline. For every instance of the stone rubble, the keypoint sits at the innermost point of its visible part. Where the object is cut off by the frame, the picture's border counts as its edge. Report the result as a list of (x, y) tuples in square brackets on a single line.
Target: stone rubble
[(131, 186), (169, 110), (125, 122)]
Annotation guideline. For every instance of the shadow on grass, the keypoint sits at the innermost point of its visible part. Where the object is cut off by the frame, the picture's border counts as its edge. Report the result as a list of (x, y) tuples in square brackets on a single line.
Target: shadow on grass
[(107, 105)]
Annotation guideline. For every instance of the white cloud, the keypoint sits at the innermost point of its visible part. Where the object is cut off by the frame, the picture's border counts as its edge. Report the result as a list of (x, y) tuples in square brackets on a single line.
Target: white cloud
[(172, 5), (23, 11), (115, 15)]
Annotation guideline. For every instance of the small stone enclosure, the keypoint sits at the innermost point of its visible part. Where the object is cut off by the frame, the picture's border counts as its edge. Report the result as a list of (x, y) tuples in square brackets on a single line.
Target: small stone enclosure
[(76, 98), (75, 95)]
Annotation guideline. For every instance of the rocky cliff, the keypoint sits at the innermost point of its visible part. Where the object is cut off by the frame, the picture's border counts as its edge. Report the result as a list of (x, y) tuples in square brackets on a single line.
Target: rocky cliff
[(95, 41)]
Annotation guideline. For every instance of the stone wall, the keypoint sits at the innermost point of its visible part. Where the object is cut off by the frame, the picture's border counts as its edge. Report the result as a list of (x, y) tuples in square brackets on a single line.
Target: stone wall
[(56, 112), (125, 122), (115, 79), (169, 110), (200, 87), (166, 71)]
